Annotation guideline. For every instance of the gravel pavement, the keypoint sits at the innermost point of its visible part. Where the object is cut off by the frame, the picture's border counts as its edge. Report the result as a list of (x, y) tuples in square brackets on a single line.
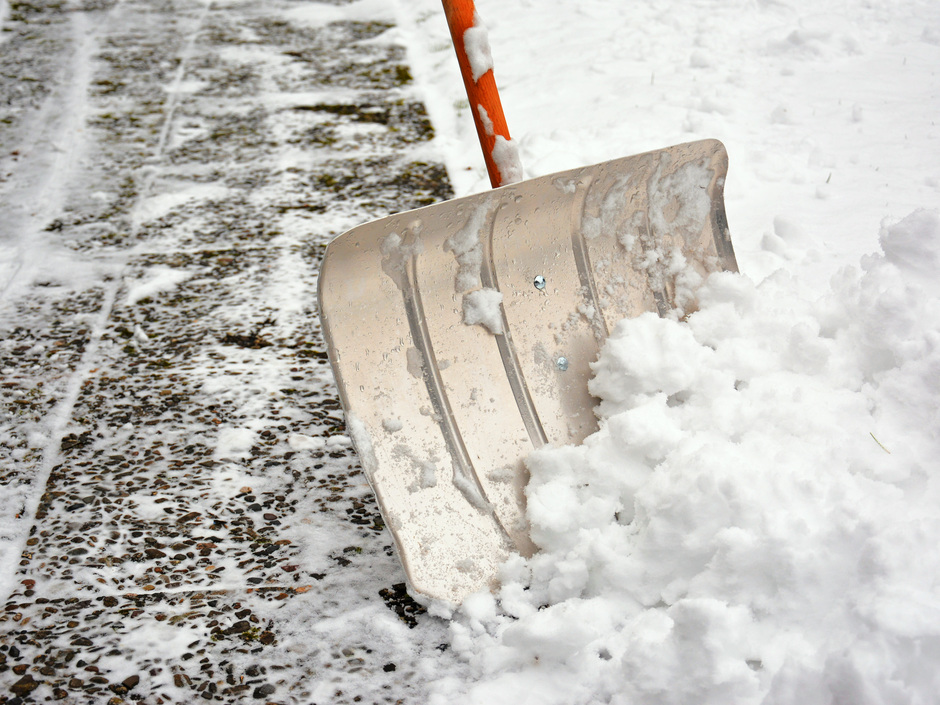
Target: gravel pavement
[(183, 516)]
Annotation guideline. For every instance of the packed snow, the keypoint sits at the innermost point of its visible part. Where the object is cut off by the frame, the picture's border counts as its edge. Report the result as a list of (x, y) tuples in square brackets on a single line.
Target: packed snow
[(756, 519)]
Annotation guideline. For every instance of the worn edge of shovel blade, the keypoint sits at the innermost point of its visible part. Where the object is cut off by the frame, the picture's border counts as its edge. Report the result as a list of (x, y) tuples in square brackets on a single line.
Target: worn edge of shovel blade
[(388, 320)]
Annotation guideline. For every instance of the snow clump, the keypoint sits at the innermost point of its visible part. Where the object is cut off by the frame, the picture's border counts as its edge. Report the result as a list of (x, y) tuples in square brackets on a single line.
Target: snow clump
[(483, 306), (476, 42)]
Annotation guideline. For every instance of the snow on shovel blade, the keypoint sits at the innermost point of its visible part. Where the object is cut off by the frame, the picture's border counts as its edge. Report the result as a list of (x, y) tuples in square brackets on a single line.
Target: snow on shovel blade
[(461, 337)]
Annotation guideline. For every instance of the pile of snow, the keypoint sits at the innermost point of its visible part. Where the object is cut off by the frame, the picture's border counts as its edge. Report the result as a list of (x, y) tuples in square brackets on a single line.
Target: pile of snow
[(756, 520)]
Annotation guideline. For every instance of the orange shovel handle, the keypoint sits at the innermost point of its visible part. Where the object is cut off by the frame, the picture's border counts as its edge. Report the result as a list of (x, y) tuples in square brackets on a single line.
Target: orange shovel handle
[(481, 93)]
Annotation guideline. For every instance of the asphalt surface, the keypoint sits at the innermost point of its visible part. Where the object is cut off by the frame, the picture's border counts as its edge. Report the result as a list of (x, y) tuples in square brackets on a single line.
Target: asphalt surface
[(183, 515)]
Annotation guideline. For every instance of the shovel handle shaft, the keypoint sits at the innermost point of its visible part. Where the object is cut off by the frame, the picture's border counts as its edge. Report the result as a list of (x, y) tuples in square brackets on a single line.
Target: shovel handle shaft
[(482, 94)]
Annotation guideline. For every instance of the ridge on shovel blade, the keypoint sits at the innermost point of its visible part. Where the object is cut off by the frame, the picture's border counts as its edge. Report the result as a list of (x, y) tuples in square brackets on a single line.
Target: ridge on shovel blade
[(443, 410)]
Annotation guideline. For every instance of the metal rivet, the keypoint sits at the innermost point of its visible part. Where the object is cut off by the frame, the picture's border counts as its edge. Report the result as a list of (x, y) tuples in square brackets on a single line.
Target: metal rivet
[(539, 282), (562, 363)]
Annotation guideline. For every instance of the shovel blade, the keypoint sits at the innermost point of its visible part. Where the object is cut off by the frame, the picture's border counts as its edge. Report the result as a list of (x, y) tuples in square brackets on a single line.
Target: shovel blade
[(461, 337)]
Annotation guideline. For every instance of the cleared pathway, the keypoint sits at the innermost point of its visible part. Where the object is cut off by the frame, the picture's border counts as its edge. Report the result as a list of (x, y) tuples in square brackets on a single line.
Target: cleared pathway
[(181, 514)]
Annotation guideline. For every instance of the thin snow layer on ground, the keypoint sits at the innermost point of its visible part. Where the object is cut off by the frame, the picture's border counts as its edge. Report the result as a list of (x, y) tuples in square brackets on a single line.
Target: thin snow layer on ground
[(319, 14), (755, 521)]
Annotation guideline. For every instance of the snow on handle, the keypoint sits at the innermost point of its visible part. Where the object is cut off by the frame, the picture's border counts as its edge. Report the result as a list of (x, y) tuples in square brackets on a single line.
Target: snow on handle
[(471, 42)]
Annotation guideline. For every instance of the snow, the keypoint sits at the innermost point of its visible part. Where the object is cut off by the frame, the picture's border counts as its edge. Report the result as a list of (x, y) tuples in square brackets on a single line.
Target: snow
[(483, 306), (485, 119), (477, 45), (234, 442), (392, 425), (159, 280), (508, 161), (157, 206), (35, 183), (319, 14), (363, 442), (585, 82), (299, 441), (397, 249), (467, 250), (756, 520), (480, 305)]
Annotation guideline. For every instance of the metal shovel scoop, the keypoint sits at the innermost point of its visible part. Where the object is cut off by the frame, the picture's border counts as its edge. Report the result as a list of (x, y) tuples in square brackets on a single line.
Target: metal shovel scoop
[(461, 334)]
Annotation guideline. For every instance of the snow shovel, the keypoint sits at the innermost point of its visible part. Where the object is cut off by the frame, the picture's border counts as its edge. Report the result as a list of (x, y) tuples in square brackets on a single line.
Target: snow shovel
[(461, 334)]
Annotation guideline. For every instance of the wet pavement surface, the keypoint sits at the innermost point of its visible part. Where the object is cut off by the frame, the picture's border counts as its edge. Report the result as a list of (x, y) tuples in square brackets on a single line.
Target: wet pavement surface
[(185, 518)]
